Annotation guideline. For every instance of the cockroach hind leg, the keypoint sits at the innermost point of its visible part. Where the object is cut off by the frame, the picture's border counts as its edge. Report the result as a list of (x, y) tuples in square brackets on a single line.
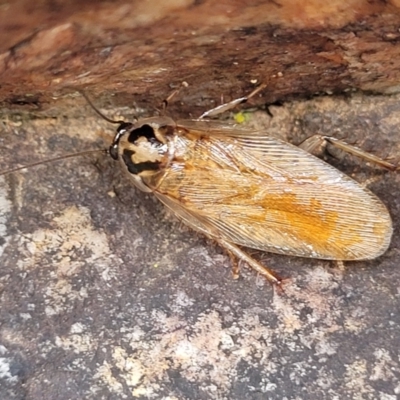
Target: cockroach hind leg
[(235, 251), (317, 144), (232, 104)]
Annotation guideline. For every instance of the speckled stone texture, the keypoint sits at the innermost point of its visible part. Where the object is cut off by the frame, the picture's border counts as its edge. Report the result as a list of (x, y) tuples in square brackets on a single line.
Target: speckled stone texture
[(103, 295)]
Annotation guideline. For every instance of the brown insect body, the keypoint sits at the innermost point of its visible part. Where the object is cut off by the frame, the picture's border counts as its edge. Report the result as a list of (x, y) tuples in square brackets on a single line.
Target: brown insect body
[(248, 188)]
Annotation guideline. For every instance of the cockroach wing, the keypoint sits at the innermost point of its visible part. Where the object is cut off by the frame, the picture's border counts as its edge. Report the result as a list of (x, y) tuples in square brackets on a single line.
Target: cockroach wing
[(263, 193)]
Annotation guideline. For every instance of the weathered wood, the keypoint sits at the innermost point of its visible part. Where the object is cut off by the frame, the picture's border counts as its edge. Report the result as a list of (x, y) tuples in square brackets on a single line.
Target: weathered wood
[(138, 51)]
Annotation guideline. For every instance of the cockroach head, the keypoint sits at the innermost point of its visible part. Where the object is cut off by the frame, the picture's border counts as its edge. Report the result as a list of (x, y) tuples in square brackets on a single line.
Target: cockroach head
[(143, 147)]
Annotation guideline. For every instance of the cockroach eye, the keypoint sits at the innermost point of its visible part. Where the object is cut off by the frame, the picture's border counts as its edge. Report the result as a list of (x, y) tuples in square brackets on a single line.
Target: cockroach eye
[(113, 151)]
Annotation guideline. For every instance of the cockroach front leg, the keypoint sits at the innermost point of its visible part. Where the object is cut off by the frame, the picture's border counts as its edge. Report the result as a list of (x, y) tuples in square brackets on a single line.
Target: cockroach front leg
[(232, 104), (173, 94), (317, 144)]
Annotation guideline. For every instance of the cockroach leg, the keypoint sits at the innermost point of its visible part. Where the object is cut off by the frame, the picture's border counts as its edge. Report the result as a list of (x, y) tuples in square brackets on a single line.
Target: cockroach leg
[(173, 94), (235, 265), (316, 145), (239, 254), (232, 104), (340, 265)]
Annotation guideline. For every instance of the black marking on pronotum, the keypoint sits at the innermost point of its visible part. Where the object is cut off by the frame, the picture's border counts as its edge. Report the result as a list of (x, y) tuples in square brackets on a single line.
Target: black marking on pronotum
[(124, 126), (144, 131), (113, 149), (137, 168)]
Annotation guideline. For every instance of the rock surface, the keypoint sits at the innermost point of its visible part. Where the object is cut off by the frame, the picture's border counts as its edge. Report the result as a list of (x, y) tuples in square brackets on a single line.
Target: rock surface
[(103, 294)]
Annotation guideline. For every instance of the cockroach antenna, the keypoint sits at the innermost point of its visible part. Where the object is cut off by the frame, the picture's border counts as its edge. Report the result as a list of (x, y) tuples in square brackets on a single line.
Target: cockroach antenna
[(97, 111), (49, 160), (71, 155)]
